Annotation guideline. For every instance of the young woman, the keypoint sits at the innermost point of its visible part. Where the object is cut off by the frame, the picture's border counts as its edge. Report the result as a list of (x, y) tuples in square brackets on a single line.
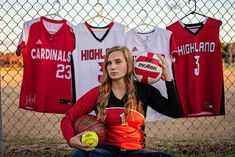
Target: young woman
[(121, 103)]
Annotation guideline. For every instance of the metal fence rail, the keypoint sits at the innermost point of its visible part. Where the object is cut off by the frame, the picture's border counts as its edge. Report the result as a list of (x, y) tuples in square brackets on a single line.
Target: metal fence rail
[(31, 131)]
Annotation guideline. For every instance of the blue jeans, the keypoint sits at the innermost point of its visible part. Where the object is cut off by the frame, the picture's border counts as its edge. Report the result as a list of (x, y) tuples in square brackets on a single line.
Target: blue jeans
[(109, 151)]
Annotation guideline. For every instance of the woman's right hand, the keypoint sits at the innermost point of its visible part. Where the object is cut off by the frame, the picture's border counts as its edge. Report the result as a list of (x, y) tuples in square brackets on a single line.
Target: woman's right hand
[(165, 68), (75, 142)]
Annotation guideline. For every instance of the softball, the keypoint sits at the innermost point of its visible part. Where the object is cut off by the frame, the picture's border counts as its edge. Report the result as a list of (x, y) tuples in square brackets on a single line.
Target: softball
[(91, 138)]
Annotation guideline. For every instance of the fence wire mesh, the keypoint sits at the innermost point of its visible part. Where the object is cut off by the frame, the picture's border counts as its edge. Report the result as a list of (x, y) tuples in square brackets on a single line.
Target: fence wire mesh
[(27, 131)]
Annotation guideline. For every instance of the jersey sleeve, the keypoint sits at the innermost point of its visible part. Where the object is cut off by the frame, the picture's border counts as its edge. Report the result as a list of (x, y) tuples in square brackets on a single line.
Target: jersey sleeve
[(84, 105), (173, 48), (170, 107), (21, 43), (24, 36)]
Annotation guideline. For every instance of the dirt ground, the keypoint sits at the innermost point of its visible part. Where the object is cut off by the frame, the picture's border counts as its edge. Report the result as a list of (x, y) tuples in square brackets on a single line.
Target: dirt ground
[(39, 132)]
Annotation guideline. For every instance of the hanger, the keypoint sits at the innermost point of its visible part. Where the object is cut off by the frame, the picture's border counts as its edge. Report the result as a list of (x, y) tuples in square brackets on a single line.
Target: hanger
[(144, 23), (194, 11), (56, 14), (99, 14)]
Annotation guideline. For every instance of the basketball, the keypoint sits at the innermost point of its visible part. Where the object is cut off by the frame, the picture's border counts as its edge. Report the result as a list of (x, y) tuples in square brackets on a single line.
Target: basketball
[(147, 69), (90, 123)]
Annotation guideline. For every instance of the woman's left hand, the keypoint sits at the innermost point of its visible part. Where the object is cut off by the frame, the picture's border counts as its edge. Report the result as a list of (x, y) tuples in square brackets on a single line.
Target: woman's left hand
[(165, 68)]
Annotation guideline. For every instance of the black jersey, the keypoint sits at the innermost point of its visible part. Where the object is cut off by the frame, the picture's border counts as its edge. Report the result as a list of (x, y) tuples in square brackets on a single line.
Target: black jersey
[(147, 95)]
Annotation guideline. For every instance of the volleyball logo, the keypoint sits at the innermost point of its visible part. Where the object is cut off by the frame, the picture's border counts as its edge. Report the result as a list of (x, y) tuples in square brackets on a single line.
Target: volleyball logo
[(147, 68)]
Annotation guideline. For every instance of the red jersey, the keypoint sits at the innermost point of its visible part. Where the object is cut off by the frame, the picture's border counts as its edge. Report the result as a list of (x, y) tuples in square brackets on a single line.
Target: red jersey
[(46, 46), (129, 136), (198, 68)]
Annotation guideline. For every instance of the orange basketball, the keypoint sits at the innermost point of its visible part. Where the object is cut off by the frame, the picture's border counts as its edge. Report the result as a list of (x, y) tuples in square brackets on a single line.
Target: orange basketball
[(90, 123)]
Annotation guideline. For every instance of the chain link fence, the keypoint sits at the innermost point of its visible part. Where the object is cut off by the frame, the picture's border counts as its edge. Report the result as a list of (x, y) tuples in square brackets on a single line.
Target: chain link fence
[(39, 133)]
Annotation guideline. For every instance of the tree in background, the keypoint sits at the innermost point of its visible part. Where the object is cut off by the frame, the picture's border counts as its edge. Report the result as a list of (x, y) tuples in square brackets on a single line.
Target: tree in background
[(228, 53)]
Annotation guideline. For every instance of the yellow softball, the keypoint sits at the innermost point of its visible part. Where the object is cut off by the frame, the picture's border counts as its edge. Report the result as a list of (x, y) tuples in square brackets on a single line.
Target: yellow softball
[(91, 138)]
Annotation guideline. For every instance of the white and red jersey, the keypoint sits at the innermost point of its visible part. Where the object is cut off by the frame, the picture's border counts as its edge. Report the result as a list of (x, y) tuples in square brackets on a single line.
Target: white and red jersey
[(91, 46), (198, 67), (46, 46), (158, 41)]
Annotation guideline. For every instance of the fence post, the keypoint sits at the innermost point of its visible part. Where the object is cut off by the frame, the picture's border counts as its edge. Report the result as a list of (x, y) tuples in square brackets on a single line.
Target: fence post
[(1, 140)]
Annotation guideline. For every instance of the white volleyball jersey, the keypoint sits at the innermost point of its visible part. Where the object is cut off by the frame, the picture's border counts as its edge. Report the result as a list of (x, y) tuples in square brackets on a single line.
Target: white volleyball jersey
[(157, 41), (91, 46)]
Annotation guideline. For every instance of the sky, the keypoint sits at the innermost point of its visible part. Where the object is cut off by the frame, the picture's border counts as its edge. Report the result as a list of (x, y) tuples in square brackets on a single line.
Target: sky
[(161, 13)]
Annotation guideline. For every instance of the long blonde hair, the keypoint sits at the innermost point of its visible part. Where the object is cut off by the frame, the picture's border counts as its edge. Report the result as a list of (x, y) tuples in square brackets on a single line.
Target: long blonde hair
[(106, 83)]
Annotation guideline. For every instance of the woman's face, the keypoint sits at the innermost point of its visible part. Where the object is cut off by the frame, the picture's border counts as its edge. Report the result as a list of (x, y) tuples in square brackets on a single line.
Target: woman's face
[(116, 65)]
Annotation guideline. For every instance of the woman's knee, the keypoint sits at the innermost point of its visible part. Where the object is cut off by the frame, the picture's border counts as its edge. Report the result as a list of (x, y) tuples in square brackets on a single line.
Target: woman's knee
[(100, 152), (80, 153)]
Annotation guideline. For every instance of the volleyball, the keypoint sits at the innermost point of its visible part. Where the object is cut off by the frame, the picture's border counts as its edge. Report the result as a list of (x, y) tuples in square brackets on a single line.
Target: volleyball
[(147, 69)]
